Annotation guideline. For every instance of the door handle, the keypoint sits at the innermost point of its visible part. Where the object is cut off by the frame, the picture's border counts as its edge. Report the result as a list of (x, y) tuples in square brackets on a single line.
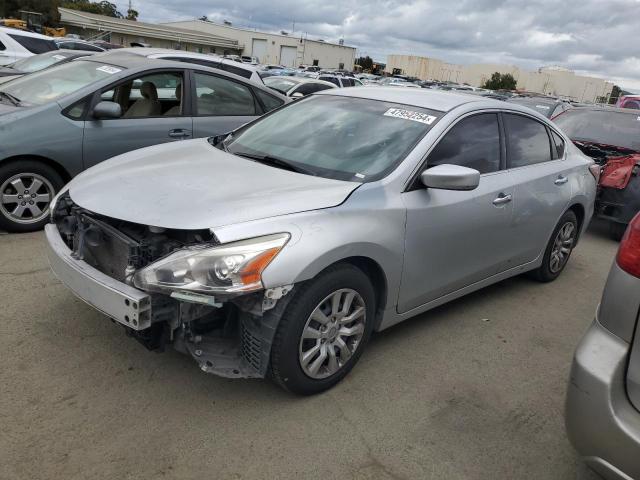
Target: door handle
[(179, 133), (502, 199), (561, 180)]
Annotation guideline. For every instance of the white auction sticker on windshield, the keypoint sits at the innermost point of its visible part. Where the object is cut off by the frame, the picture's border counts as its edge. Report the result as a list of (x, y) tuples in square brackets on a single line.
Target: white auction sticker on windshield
[(543, 107), (409, 115), (59, 57), (108, 69)]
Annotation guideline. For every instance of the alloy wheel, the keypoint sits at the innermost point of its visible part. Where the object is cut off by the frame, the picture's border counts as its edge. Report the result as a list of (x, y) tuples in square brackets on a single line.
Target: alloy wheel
[(25, 198), (562, 246), (332, 333)]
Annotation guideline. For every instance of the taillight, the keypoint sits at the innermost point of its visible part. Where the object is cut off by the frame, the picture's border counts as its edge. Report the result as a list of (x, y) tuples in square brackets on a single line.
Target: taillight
[(596, 170), (629, 253)]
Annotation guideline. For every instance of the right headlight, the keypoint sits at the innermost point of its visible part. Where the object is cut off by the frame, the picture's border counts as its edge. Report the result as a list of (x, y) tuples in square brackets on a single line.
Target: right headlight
[(231, 268)]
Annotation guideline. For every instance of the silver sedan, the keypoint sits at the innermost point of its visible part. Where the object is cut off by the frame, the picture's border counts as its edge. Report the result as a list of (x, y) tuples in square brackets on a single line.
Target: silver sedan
[(278, 250)]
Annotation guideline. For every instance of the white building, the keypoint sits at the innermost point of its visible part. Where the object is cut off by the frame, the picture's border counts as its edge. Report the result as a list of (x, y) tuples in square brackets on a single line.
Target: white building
[(556, 81), (124, 32), (286, 50)]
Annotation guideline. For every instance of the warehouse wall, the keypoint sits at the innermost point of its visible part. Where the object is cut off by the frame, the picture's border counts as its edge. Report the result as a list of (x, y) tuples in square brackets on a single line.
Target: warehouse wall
[(550, 81), (328, 55)]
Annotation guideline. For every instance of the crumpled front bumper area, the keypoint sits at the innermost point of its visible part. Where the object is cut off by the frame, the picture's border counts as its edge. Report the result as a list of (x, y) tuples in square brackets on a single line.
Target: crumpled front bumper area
[(125, 304), (231, 340)]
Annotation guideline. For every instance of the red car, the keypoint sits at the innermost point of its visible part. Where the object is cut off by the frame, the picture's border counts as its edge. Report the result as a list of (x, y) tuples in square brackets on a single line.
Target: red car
[(629, 101), (611, 136)]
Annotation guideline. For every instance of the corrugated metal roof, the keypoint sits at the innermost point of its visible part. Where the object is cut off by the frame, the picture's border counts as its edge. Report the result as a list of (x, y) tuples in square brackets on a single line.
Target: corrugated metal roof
[(94, 21)]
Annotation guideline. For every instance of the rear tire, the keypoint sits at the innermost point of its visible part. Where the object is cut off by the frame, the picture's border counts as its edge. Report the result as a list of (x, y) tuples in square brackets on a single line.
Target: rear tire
[(26, 190), (313, 325), (559, 249), (616, 230)]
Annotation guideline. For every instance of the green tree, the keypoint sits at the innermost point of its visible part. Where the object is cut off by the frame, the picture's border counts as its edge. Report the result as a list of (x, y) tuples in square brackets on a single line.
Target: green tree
[(616, 91), (101, 8), (365, 62), (500, 81), (132, 14)]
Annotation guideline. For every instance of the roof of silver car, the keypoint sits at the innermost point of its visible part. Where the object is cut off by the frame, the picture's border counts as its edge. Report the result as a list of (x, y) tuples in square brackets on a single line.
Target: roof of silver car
[(420, 97)]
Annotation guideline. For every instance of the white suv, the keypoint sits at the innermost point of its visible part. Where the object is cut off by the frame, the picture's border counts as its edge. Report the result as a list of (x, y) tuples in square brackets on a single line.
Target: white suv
[(208, 60), (17, 44)]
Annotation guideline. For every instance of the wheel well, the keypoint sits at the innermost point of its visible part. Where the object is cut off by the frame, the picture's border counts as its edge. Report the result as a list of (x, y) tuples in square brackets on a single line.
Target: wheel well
[(60, 170), (378, 280), (578, 209)]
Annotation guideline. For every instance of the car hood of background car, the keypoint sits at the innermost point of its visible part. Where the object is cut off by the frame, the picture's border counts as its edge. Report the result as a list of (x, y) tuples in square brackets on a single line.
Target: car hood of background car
[(191, 185)]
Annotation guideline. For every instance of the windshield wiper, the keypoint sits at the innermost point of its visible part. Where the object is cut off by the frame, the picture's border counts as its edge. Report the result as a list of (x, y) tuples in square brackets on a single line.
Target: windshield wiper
[(11, 98), (277, 162)]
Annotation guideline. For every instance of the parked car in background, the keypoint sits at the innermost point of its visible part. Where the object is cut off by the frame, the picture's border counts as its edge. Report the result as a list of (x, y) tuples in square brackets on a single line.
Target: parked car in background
[(611, 136), (249, 59), (39, 62), (340, 80), (603, 397), (207, 60), (548, 106), (77, 44), (106, 45), (59, 121), (297, 87), (17, 44), (277, 250), (629, 101)]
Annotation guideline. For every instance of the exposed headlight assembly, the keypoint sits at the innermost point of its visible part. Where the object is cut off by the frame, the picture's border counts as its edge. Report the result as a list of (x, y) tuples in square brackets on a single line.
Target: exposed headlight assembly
[(224, 269)]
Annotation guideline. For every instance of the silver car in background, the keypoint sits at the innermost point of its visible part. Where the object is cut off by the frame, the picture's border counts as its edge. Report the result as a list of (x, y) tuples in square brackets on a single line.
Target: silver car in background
[(279, 249), (603, 399)]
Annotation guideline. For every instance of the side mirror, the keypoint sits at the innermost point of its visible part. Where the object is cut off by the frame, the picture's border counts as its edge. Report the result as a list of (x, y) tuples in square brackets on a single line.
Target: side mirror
[(106, 109), (451, 177), (297, 95)]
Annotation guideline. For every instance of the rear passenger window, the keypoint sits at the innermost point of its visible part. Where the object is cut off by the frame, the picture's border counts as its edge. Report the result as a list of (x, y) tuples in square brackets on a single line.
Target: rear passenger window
[(221, 97), (2, 47), (527, 141), (473, 142), (347, 82), (235, 70), (269, 102), (558, 145)]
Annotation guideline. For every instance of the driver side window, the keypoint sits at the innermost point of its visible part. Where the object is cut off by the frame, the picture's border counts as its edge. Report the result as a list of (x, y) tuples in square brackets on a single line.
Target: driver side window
[(154, 95), (473, 142)]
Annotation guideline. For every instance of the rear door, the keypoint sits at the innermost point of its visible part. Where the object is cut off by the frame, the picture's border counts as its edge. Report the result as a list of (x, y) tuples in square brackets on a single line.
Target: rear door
[(221, 104), (542, 183), (457, 238), (159, 117)]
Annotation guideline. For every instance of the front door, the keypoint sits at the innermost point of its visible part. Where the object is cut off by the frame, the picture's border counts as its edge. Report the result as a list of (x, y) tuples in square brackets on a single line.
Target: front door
[(457, 238), (153, 112)]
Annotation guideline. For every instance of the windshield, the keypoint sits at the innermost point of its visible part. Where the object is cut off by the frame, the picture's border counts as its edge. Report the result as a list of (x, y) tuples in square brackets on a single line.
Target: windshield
[(541, 105), (39, 62), (606, 127), (51, 84), (337, 137), (282, 85)]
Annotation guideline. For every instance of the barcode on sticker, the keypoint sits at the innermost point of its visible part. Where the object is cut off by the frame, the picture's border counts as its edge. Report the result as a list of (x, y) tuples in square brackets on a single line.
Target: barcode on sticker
[(108, 69), (410, 115)]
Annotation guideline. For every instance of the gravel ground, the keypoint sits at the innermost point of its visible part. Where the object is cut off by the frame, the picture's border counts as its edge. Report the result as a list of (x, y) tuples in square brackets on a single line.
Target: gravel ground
[(472, 390)]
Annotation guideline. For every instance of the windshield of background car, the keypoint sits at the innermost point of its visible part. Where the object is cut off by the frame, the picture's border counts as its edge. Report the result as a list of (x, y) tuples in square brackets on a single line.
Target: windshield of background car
[(604, 127), (280, 84), (338, 137), (542, 106), (38, 62), (53, 83)]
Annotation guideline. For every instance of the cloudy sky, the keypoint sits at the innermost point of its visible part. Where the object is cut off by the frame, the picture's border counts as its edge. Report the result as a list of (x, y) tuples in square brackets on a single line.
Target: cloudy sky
[(596, 37)]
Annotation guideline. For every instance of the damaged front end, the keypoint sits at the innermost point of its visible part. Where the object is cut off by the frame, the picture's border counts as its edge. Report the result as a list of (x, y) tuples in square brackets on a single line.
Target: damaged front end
[(173, 287)]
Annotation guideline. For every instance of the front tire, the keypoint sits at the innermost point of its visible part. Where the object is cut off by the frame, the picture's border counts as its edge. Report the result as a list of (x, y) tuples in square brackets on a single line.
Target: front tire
[(323, 331), (27, 188), (559, 248)]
